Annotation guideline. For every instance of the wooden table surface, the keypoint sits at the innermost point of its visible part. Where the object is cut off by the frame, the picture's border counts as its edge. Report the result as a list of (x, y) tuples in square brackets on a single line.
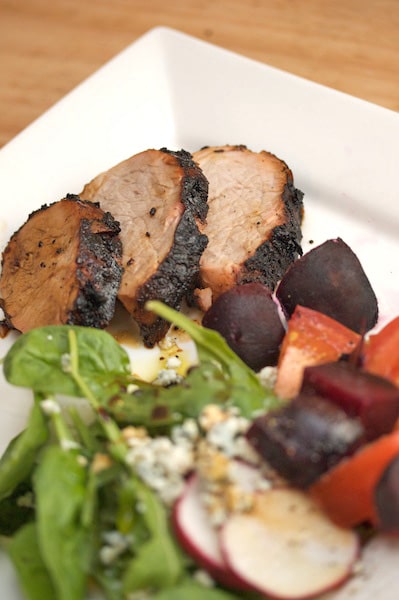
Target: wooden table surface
[(48, 46)]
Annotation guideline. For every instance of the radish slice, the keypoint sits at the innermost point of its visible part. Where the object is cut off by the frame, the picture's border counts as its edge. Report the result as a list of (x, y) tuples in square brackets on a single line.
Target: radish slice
[(198, 536), (377, 575), (193, 527), (286, 547)]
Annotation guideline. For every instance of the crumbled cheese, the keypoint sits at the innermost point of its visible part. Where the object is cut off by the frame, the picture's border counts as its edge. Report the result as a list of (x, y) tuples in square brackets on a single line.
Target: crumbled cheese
[(212, 464), (203, 578), (100, 462), (26, 500), (115, 545), (244, 450), (210, 447), (226, 429), (173, 362), (161, 462), (69, 445), (268, 377), (224, 434), (50, 407), (224, 489), (66, 362), (210, 416), (185, 434), (167, 377), (237, 499), (134, 436), (131, 388), (114, 538), (82, 460), (166, 343)]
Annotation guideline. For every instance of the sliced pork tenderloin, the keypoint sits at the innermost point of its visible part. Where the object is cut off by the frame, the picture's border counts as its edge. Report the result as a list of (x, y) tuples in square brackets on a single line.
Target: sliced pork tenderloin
[(159, 198), (63, 266), (253, 223)]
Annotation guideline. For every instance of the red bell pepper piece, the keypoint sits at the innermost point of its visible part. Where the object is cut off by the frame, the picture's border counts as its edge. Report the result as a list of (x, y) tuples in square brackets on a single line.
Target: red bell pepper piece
[(347, 491), (312, 338), (381, 352)]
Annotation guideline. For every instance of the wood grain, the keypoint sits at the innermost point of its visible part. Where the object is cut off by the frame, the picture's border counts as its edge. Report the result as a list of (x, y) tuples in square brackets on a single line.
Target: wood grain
[(48, 47)]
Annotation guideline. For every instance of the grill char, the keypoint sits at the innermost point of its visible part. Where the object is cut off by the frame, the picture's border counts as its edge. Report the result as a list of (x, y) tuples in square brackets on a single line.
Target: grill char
[(254, 219), (63, 266), (160, 199)]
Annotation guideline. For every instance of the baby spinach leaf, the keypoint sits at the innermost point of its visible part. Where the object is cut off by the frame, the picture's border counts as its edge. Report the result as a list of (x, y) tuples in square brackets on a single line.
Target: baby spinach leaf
[(60, 486), (16, 509), (40, 359), (153, 567), (17, 462), (126, 500), (159, 562), (195, 591), (24, 552), (156, 406)]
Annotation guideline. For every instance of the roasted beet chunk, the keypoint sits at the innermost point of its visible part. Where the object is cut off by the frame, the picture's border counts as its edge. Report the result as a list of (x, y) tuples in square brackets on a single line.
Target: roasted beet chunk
[(247, 317), (305, 438), (373, 399), (331, 279), (387, 497)]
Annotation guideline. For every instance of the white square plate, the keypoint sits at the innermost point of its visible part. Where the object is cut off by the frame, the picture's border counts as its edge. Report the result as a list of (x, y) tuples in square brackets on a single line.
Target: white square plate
[(168, 89)]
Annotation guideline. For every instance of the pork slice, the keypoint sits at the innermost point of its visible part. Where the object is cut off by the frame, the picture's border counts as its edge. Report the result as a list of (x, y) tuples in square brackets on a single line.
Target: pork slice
[(63, 266), (254, 219), (159, 198)]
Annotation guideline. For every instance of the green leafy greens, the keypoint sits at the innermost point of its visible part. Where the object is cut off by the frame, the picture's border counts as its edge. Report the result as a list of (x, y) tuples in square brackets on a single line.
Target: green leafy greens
[(82, 485)]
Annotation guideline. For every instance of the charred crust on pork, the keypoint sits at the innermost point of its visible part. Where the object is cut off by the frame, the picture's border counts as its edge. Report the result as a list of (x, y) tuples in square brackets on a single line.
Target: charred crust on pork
[(275, 255), (160, 199), (99, 273), (177, 274), (194, 184), (63, 266), (254, 219)]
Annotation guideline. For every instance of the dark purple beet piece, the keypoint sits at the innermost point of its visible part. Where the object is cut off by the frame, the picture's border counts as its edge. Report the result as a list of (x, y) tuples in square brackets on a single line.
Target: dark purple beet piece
[(387, 497), (373, 399), (331, 279), (305, 438), (248, 319)]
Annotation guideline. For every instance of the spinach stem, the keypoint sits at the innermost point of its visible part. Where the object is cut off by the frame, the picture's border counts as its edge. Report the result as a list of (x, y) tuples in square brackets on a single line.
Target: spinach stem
[(55, 415), (61, 429), (118, 448), (74, 367)]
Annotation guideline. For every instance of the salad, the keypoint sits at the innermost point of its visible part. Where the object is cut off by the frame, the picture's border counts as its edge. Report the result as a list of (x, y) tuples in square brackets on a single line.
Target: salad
[(159, 493), (97, 495)]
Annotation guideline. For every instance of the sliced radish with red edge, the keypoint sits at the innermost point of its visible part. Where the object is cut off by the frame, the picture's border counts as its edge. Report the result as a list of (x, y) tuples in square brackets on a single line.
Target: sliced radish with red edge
[(286, 547), (377, 575), (197, 535)]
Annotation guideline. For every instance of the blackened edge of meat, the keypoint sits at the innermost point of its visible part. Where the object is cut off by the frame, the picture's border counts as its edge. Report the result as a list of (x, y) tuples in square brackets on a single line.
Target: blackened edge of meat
[(99, 272), (272, 258), (77, 198), (194, 184), (177, 275)]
